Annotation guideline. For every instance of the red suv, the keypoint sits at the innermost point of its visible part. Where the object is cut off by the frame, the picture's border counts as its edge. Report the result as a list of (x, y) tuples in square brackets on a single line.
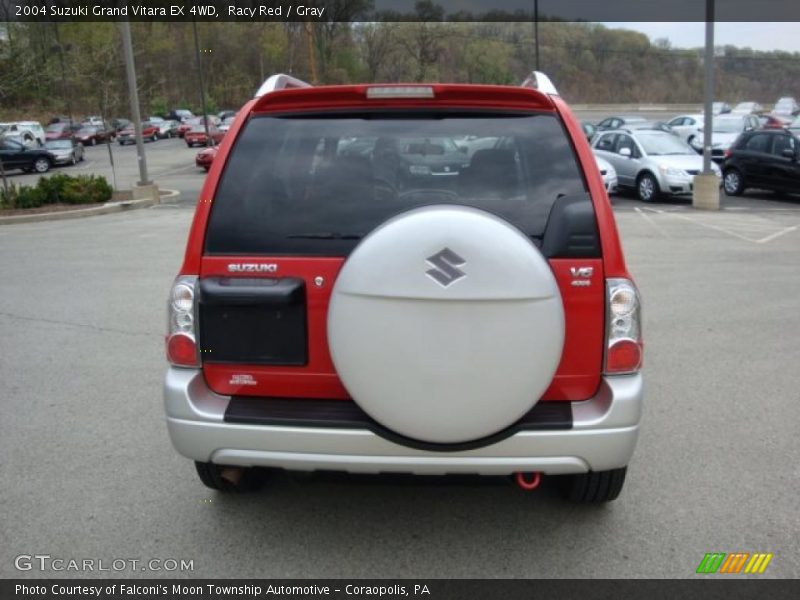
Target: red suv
[(362, 292)]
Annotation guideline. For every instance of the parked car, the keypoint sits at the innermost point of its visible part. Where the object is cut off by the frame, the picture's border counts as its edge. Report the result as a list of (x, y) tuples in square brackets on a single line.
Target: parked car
[(59, 119), (60, 131), (725, 129), (652, 163), (119, 124), (768, 160), (205, 157), (774, 121), (167, 128), (786, 106), (720, 108), (288, 274), (94, 121), (225, 114), (65, 152), (92, 135), (16, 155), (226, 124), (589, 129), (608, 173), (128, 135), (651, 126), (748, 108), (180, 115), (29, 133), (688, 126), (618, 122), (196, 136), (188, 124)]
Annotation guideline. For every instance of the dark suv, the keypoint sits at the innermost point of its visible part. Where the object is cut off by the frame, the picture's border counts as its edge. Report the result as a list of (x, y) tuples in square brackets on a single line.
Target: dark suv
[(416, 310), (764, 159)]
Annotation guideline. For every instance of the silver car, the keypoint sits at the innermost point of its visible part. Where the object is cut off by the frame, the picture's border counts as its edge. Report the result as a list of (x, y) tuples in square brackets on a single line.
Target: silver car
[(650, 162), (724, 131), (65, 152)]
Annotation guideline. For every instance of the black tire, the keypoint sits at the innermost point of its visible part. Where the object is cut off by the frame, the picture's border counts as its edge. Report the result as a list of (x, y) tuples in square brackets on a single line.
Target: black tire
[(733, 182), (252, 478), (594, 487), (41, 165), (647, 188)]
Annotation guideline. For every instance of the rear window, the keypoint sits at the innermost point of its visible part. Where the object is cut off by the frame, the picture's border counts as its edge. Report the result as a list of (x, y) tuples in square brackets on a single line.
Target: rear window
[(315, 186)]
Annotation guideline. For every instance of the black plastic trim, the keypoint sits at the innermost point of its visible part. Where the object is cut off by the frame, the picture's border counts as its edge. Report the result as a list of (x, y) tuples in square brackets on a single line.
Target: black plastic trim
[(571, 230), (345, 414), (245, 291)]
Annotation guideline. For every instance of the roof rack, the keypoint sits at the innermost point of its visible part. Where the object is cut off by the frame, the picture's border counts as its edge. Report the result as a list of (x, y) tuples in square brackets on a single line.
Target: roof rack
[(280, 81), (539, 81)]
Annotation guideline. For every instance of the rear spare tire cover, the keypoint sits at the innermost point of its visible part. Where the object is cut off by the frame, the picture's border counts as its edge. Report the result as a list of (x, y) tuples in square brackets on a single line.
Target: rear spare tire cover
[(446, 324)]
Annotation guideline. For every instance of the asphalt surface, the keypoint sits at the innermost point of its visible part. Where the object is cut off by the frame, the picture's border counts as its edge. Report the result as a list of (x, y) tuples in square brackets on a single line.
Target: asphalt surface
[(88, 470)]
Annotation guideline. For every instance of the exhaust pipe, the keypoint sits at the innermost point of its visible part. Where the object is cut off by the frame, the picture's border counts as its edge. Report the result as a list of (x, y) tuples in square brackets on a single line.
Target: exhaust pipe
[(528, 481)]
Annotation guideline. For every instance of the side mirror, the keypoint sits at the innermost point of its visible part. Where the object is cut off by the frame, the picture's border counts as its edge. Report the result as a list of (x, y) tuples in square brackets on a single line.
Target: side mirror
[(788, 153), (625, 152)]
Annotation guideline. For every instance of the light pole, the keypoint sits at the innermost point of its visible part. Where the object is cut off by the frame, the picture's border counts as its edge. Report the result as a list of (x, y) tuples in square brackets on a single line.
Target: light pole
[(209, 141), (130, 67), (706, 184), (536, 29), (709, 101)]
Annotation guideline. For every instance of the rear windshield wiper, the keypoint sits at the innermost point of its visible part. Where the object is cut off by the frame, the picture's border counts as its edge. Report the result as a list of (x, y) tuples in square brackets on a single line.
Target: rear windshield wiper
[(325, 235)]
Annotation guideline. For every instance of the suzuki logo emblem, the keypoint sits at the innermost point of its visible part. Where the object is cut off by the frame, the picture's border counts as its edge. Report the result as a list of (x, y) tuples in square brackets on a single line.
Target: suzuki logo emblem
[(445, 272)]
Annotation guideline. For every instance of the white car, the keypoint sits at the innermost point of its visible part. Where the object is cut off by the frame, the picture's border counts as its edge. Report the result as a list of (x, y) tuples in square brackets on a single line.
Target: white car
[(93, 120), (29, 133), (748, 108), (226, 124), (688, 127), (609, 174), (786, 106)]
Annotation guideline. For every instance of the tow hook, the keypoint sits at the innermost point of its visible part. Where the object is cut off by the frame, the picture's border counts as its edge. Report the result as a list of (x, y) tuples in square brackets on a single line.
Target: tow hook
[(528, 481)]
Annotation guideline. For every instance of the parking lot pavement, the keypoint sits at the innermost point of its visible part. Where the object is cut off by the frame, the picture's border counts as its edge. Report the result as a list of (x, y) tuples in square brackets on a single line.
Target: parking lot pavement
[(88, 470)]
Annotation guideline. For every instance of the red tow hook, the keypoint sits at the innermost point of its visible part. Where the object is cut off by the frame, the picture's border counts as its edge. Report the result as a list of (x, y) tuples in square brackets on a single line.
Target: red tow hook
[(528, 481)]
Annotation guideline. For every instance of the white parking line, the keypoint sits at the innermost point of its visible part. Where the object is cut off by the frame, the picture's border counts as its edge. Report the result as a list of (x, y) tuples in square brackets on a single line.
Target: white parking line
[(655, 226), (773, 236)]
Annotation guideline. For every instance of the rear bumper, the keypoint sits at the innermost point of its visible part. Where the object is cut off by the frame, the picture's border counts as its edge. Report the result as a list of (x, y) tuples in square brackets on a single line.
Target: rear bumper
[(603, 436)]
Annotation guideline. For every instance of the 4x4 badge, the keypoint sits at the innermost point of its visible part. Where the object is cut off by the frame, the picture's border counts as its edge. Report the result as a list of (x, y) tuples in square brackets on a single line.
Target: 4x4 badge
[(445, 263)]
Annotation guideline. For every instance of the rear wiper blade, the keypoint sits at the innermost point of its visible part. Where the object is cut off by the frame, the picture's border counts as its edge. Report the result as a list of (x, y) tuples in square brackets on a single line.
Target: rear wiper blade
[(325, 235)]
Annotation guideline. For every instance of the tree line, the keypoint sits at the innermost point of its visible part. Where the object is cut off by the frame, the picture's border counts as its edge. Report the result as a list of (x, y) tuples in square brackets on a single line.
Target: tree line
[(77, 68)]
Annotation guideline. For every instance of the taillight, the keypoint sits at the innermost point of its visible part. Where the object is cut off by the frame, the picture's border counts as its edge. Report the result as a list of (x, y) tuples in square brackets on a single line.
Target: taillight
[(624, 345), (181, 336)]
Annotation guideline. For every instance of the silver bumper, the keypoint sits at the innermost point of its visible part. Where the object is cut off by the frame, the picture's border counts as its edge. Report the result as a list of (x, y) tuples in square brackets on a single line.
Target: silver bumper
[(604, 433)]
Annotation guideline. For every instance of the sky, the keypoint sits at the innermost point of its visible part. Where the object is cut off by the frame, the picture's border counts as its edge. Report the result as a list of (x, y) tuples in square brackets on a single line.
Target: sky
[(758, 36)]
